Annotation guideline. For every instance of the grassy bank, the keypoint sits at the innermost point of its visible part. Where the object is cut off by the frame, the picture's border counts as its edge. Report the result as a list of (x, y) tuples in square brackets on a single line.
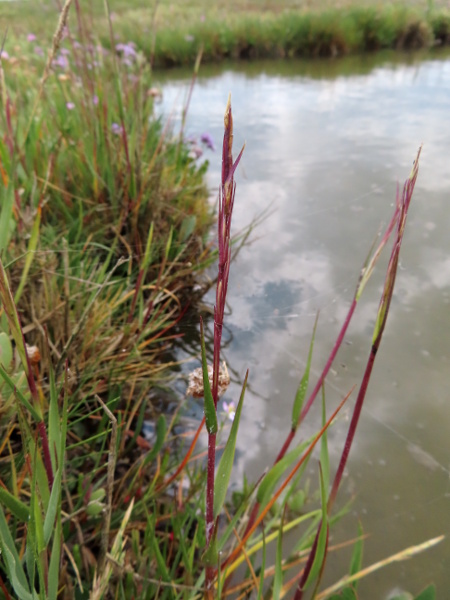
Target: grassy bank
[(171, 33), (104, 221)]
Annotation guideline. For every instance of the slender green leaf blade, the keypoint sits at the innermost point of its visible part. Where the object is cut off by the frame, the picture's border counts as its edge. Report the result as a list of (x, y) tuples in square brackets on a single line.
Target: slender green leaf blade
[(357, 555), (226, 462), (272, 477), (19, 394), (429, 593), (53, 570), (303, 386), (16, 506), (54, 425), (323, 537), (211, 555), (12, 562), (53, 506), (210, 408), (278, 577), (324, 455)]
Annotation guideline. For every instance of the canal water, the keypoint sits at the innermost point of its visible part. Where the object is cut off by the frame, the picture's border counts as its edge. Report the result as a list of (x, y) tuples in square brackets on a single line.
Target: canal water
[(327, 143)]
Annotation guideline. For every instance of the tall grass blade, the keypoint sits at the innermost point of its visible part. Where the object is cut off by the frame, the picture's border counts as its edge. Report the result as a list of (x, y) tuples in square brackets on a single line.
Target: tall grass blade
[(18, 508), (225, 467), (324, 454), (272, 477), (210, 407), (322, 540), (303, 386), (278, 577), (357, 554), (12, 562), (19, 395), (53, 507), (6, 217), (54, 566)]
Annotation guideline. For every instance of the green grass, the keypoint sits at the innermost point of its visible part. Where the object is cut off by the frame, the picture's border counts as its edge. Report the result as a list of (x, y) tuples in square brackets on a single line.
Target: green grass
[(171, 33), (104, 225)]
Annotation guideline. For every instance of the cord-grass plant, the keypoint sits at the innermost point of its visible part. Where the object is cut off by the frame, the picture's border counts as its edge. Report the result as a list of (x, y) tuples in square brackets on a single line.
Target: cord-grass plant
[(267, 512)]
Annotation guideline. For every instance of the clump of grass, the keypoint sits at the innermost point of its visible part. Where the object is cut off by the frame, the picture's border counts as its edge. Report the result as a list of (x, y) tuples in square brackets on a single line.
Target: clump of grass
[(289, 33), (104, 223), (100, 178)]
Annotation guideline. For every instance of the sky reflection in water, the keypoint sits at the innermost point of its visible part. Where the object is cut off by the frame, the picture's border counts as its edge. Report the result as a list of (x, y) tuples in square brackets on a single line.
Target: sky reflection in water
[(324, 153)]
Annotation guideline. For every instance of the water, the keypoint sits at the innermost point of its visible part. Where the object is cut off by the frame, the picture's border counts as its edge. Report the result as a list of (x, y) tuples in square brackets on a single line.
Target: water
[(326, 144)]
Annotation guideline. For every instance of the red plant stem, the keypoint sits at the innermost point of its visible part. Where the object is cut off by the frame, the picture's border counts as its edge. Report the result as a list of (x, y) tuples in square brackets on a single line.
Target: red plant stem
[(383, 311), (46, 451), (226, 203)]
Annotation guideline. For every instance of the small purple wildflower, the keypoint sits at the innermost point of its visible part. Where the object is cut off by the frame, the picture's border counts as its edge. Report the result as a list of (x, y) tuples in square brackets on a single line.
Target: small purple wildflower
[(206, 139), (127, 50), (116, 128), (202, 18), (189, 38), (61, 61), (229, 410), (31, 37), (4, 55), (70, 105), (38, 50), (95, 100)]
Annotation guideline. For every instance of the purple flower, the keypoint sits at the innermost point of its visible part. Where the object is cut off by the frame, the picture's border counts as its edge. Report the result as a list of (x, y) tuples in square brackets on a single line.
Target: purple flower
[(229, 410), (116, 128), (189, 38), (127, 50), (4, 55), (38, 50), (95, 100), (61, 61), (202, 18), (70, 105), (206, 139), (31, 37)]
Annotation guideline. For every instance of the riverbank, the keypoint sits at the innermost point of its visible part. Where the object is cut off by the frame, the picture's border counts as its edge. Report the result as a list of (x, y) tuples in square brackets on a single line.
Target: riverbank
[(173, 34), (104, 233)]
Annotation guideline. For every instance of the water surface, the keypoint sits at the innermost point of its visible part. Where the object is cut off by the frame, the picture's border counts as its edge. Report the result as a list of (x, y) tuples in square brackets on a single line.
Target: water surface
[(326, 144)]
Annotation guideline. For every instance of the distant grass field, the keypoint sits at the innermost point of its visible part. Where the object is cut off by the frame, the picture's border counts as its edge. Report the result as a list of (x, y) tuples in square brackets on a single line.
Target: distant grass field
[(172, 33)]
